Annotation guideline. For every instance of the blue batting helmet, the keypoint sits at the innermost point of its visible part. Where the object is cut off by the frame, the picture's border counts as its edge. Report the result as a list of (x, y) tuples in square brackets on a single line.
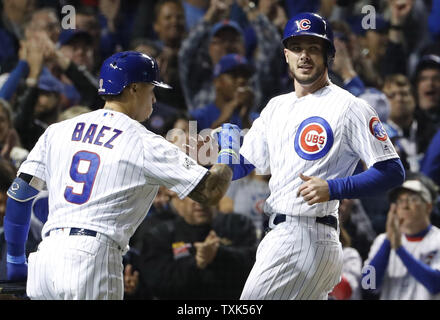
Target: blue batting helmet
[(310, 24), (126, 67)]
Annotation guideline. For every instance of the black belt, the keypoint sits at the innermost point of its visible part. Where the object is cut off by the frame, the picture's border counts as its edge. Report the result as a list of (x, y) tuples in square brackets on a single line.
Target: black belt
[(331, 221), (76, 232)]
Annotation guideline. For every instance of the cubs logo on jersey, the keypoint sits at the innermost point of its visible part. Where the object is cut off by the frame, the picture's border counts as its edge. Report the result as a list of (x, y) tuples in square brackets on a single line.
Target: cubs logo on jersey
[(313, 139), (377, 130)]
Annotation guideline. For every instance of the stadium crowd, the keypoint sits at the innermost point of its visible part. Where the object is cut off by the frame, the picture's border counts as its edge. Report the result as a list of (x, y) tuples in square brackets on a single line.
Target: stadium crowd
[(224, 60)]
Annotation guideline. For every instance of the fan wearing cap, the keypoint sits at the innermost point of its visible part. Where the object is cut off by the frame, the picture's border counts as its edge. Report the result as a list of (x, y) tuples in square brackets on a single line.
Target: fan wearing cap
[(38, 107), (406, 259), (71, 61), (234, 97), (78, 46)]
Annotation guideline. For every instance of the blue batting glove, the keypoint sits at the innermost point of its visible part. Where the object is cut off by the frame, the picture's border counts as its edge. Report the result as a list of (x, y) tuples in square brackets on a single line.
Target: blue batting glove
[(16, 271), (229, 140)]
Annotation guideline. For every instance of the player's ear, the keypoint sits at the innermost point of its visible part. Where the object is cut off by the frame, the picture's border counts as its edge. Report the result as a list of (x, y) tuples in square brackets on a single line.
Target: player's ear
[(132, 87)]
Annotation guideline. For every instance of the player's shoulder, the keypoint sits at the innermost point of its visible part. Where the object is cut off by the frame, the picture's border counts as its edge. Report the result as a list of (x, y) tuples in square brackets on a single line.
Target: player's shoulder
[(345, 96), (78, 118), (352, 102), (276, 102), (361, 110), (282, 98)]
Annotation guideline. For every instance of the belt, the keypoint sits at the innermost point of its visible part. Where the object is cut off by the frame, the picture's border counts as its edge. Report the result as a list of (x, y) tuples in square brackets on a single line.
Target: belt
[(75, 232), (331, 221)]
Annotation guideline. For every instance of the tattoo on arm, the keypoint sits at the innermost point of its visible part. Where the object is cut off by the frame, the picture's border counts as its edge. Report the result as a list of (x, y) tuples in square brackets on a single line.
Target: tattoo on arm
[(213, 185)]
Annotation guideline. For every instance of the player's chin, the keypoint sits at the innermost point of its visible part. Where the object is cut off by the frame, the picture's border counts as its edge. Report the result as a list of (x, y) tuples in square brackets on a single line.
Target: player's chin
[(306, 78)]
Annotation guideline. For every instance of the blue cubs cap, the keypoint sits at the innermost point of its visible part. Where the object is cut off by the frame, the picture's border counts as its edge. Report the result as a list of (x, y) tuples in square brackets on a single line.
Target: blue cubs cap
[(225, 24), (123, 68), (67, 35), (232, 62), (309, 24)]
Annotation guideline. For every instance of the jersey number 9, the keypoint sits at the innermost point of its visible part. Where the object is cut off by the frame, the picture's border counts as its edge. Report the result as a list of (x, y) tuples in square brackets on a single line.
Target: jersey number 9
[(87, 178)]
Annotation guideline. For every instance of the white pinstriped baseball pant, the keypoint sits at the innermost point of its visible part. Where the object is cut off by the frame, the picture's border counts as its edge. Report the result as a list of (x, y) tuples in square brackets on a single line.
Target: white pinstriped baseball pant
[(75, 267), (297, 260)]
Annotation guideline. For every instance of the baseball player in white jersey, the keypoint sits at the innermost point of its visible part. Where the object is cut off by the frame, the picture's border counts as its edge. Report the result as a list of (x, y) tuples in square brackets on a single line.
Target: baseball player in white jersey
[(102, 170), (405, 260), (310, 141)]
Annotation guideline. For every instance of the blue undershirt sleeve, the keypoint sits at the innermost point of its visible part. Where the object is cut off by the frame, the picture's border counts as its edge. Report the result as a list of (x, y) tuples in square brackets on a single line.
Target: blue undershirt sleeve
[(380, 261), (379, 178), (18, 215), (17, 224), (429, 277)]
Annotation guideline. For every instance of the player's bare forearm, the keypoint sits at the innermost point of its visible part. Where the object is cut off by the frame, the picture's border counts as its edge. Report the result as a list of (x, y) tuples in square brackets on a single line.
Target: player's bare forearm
[(213, 186)]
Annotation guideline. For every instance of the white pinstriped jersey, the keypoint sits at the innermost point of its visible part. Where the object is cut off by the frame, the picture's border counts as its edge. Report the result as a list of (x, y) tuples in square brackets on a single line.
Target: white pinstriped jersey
[(103, 170), (323, 134), (398, 283)]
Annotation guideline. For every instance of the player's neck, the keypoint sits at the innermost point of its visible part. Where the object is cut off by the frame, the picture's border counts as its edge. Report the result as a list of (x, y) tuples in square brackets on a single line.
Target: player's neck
[(302, 90)]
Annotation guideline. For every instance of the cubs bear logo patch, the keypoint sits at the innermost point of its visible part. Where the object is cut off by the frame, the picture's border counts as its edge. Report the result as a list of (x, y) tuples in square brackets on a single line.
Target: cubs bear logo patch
[(313, 139)]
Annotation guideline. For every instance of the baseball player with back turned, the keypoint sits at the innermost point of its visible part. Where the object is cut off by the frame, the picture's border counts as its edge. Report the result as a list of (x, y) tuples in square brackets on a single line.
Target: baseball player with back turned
[(102, 170), (310, 141)]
